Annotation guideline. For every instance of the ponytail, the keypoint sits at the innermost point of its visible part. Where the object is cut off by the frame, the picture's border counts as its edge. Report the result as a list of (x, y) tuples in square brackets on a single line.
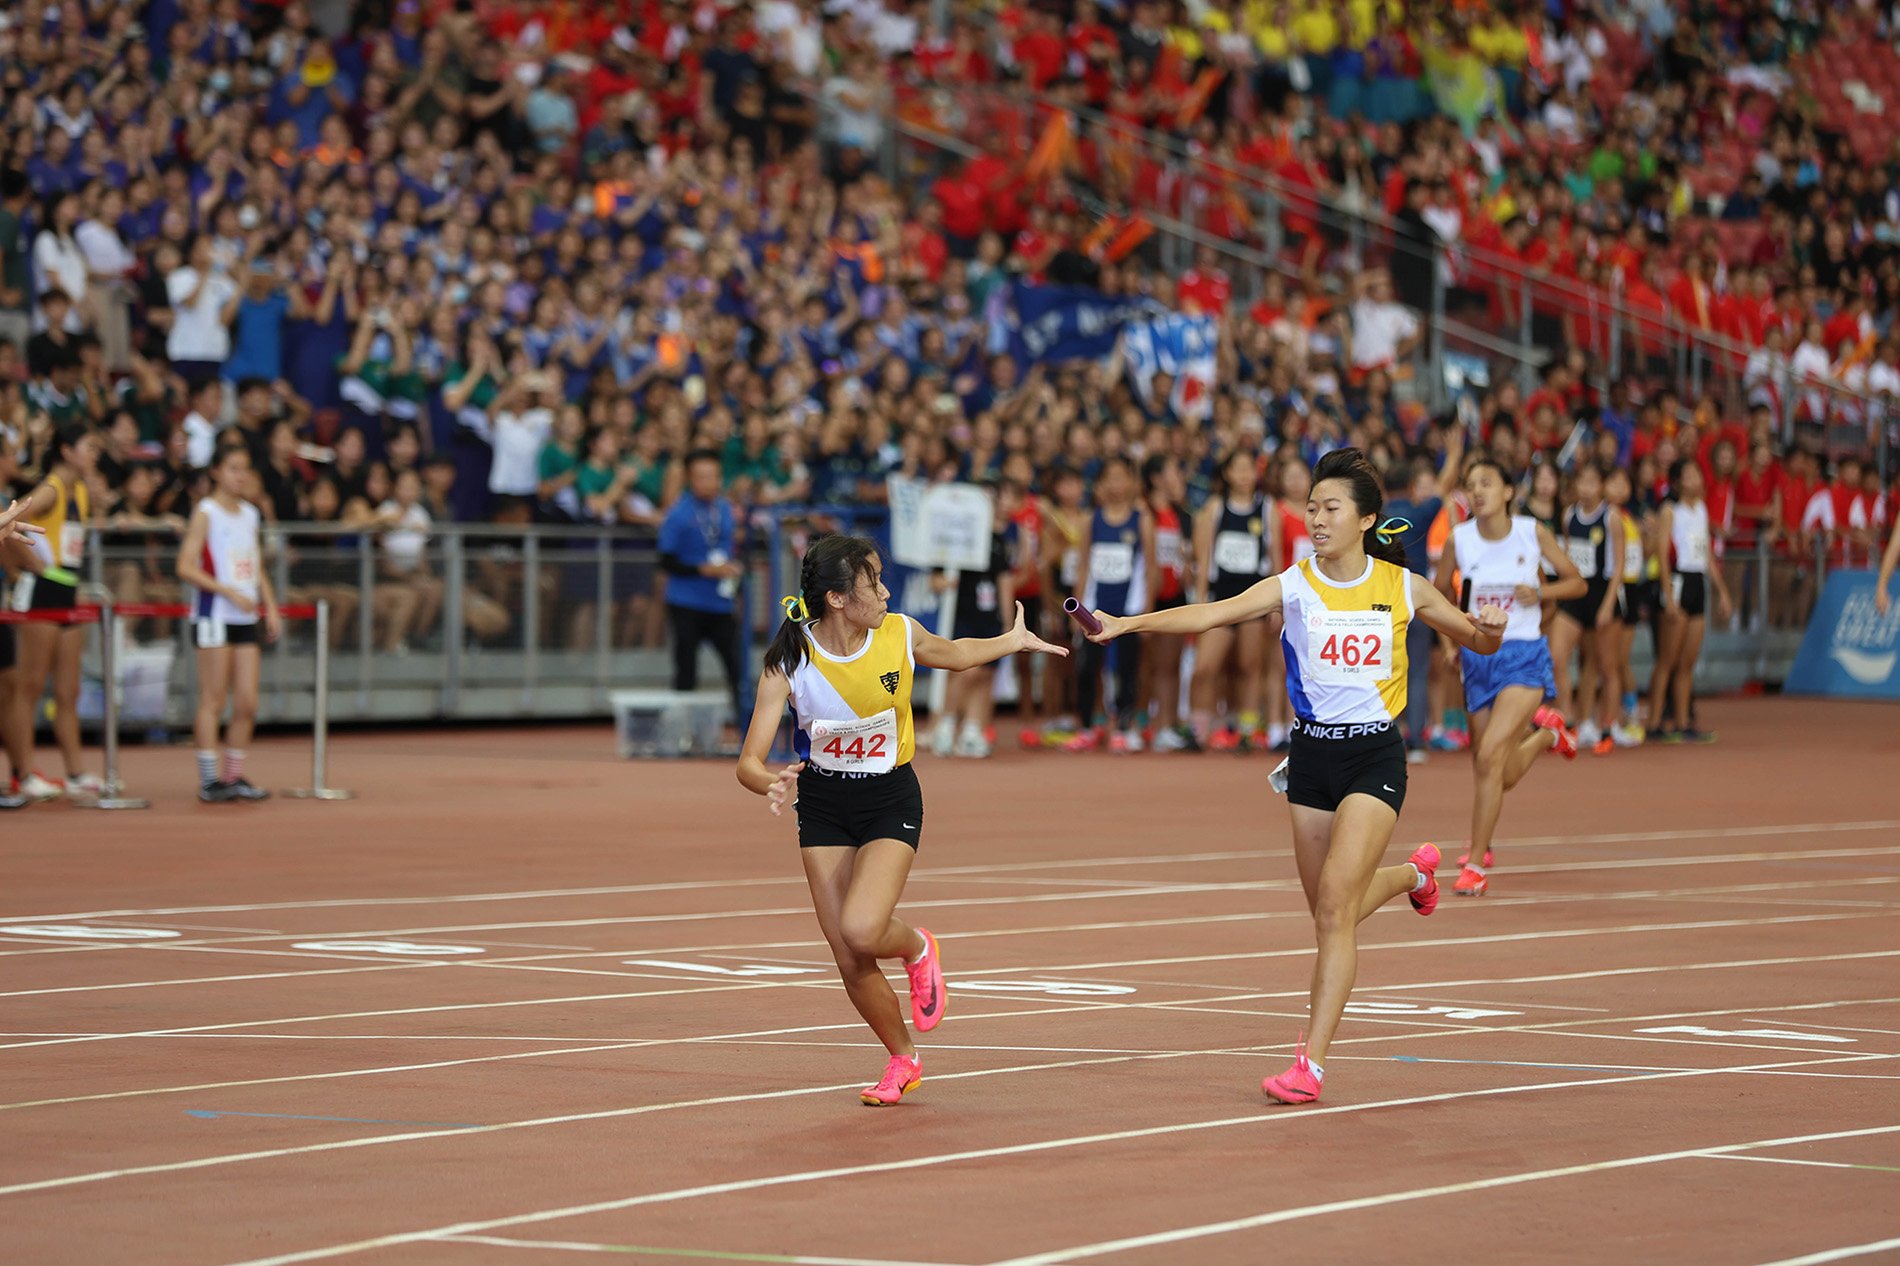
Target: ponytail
[(833, 564), (1362, 482)]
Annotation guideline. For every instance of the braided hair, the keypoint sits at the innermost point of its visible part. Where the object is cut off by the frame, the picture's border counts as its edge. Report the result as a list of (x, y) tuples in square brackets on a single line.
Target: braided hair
[(833, 564)]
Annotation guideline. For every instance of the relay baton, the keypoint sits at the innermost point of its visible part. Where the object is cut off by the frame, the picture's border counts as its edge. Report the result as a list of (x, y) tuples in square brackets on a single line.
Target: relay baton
[(1464, 597), (1082, 616)]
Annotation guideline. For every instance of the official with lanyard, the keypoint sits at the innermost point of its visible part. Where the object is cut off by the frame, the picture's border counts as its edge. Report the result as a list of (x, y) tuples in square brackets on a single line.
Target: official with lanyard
[(698, 548)]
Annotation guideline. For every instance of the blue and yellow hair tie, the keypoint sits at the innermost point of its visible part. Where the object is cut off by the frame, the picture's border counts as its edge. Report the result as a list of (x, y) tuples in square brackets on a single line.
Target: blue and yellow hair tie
[(1391, 530), (795, 609)]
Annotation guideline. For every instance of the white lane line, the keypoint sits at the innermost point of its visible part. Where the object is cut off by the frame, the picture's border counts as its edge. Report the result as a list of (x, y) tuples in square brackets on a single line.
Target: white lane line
[(1061, 968), (1591, 1066), (217, 980), (729, 949), (1070, 1004), (1557, 934), (739, 949), (1844, 1028), (1266, 1117), (770, 1259), (1839, 1254), (234, 943), (605, 1114), (1790, 1160), (706, 916), (1182, 1234), (1691, 1040), (1426, 1032), (1146, 859), (690, 885), (1155, 890)]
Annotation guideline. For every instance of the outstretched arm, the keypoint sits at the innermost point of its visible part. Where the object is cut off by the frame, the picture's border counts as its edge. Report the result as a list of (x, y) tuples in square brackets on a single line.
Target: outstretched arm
[(970, 652), (1197, 617), (11, 526), (1482, 632)]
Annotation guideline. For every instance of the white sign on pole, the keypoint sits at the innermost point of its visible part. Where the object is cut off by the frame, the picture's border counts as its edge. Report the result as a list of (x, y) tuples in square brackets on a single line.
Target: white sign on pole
[(939, 525)]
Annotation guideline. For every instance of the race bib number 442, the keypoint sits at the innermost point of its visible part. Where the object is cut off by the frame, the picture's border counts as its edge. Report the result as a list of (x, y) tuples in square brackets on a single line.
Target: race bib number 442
[(866, 745), (1349, 647)]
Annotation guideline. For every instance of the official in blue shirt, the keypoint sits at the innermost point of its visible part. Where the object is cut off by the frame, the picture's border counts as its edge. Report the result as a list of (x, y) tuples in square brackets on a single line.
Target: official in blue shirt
[(698, 550)]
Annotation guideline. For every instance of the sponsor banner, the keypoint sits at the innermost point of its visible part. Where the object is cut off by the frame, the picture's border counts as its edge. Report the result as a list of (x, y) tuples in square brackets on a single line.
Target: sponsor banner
[(1850, 650)]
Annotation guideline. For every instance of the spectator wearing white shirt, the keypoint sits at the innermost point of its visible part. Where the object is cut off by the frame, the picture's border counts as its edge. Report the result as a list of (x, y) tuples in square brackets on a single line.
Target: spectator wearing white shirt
[(1384, 331), (405, 563), (1813, 374), (517, 427), (1562, 118), (109, 265), (204, 302), (202, 425), (796, 30), (59, 262), (1767, 369)]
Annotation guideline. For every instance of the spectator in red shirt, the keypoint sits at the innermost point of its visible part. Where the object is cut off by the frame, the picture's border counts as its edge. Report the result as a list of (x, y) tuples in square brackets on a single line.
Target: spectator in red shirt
[(1757, 487), (925, 252), (1204, 288), (964, 212), (1791, 576), (1039, 50)]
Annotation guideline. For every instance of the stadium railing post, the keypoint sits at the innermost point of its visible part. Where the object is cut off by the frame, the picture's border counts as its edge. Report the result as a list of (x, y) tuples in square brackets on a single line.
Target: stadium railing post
[(319, 789), (113, 797)]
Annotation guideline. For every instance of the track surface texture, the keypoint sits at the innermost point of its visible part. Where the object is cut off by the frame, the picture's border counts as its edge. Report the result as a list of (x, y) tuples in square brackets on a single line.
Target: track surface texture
[(521, 1001)]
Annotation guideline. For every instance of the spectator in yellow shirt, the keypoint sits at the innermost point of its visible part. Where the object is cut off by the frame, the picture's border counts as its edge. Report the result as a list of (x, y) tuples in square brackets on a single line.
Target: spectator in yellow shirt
[(1316, 30)]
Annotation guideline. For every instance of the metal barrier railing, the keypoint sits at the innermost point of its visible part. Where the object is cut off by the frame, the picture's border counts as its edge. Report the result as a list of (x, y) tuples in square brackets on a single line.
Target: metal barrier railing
[(482, 619)]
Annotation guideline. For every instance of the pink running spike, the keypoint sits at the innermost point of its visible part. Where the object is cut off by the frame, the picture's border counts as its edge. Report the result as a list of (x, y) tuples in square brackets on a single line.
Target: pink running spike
[(1297, 1084), (927, 998), (901, 1076), (1426, 857)]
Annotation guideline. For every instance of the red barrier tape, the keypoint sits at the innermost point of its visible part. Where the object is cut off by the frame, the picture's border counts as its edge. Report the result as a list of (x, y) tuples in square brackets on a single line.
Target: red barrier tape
[(133, 611), (66, 615)]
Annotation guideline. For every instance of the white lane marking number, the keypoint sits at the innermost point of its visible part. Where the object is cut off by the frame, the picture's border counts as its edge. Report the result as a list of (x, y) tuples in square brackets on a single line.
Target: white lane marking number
[(1776, 1035), (80, 932), (719, 969), (1411, 1008), (1053, 988), (398, 949)]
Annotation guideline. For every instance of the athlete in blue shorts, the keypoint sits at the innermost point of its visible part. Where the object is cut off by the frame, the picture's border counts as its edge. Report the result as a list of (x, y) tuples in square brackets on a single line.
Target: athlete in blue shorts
[(1504, 559)]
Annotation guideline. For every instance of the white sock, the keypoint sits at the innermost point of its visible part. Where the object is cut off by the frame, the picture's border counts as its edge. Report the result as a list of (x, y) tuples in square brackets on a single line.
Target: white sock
[(1319, 1074), (1418, 885)]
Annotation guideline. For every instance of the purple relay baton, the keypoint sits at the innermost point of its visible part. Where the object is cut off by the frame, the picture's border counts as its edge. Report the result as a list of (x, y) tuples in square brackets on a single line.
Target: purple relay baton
[(1082, 616)]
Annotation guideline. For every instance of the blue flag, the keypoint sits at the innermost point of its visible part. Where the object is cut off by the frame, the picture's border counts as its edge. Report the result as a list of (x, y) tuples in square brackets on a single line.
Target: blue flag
[(1059, 323)]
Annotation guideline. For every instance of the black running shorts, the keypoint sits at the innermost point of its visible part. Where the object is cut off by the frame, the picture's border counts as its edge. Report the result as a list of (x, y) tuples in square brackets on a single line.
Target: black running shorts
[(846, 811), (1329, 763)]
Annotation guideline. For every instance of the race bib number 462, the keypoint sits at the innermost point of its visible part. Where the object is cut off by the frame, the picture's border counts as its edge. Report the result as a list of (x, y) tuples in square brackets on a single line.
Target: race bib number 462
[(866, 745), (1350, 647)]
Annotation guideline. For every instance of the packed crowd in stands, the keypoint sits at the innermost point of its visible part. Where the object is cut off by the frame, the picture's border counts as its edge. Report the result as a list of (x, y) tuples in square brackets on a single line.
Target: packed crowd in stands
[(512, 262)]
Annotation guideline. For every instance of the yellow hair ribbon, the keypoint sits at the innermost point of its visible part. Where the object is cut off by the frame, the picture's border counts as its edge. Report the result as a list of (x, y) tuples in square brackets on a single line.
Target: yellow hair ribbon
[(795, 609), (1391, 530)]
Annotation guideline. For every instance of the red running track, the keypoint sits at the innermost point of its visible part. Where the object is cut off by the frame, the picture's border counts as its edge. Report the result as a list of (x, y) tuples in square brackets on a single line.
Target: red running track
[(522, 1001)]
